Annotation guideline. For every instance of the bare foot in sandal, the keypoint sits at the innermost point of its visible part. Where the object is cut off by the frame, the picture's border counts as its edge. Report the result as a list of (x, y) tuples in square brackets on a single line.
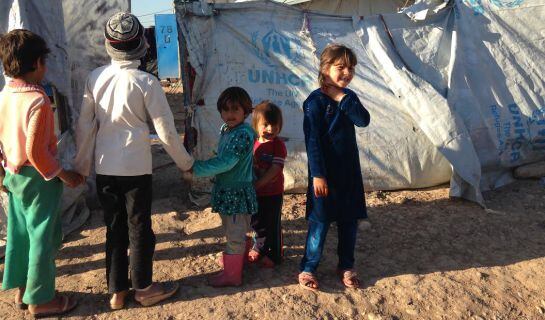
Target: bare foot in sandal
[(60, 305), (19, 299), (349, 278), (118, 300), (308, 281)]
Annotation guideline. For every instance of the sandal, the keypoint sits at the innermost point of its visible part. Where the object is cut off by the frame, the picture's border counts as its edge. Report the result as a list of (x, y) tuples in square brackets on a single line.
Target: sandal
[(167, 291), (117, 301), (66, 306), (308, 281), (349, 278)]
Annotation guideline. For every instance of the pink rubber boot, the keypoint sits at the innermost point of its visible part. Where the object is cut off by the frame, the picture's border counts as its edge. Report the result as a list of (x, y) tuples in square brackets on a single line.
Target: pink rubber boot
[(249, 245), (232, 271)]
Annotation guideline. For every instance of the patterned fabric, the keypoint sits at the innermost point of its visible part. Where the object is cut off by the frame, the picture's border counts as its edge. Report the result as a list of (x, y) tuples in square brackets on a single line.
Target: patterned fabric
[(233, 191), (234, 200)]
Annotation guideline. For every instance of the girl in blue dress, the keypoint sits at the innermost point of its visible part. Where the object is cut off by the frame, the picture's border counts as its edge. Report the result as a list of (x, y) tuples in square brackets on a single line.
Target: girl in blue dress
[(335, 185)]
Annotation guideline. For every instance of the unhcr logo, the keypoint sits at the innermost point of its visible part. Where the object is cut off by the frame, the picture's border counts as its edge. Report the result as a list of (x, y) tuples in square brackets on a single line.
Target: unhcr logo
[(507, 4), (273, 47), (478, 7)]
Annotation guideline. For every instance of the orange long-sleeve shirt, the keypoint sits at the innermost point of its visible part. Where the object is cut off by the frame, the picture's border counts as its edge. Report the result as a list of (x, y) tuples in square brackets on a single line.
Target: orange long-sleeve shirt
[(27, 134)]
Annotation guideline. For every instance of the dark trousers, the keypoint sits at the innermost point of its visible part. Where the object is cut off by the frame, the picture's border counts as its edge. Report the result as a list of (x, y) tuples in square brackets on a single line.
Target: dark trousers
[(317, 232), (127, 213), (267, 226)]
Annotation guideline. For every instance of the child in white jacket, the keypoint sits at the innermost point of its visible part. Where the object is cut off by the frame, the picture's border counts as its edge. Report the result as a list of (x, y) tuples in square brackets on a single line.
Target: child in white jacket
[(112, 130)]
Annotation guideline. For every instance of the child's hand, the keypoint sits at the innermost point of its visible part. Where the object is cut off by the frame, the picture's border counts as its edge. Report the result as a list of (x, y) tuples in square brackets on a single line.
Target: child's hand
[(71, 178), (187, 175), (333, 92), (320, 187)]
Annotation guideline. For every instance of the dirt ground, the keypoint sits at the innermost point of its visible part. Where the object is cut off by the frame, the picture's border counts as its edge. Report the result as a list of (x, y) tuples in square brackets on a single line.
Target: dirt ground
[(425, 257)]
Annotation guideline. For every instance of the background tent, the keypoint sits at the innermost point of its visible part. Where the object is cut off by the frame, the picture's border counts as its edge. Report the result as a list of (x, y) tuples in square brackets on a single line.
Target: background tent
[(457, 96), (341, 7)]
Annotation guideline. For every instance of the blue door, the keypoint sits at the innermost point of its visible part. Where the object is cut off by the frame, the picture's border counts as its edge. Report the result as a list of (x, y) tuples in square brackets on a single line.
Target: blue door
[(166, 35)]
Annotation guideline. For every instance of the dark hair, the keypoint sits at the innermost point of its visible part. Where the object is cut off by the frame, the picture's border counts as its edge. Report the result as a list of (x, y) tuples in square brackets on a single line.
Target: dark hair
[(333, 53), (269, 112), (235, 95), (20, 50)]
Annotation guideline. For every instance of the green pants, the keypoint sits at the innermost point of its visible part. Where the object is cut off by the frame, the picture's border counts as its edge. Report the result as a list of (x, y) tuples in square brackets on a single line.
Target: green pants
[(34, 234)]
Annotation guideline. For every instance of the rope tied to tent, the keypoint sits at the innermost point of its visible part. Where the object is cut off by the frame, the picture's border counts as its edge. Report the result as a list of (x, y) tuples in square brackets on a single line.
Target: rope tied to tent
[(393, 43)]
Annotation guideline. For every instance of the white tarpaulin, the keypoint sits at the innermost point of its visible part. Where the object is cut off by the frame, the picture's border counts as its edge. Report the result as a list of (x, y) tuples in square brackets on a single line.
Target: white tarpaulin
[(84, 23), (353, 7), (342, 7), (45, 19), (461, 89)]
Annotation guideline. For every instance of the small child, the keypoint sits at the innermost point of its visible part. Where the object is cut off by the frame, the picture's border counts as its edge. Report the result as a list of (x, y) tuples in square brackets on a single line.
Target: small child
[(233, 194), (32, 177), (335, 186), (269, 155)]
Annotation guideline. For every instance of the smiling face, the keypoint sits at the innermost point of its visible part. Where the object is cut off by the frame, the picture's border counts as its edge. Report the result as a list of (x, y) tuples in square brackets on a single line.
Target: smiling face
[(337, 64), (339, 74), (233, 114)]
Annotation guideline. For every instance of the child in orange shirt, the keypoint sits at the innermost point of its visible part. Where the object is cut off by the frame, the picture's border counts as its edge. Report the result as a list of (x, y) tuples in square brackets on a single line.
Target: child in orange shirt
[(31, 176)]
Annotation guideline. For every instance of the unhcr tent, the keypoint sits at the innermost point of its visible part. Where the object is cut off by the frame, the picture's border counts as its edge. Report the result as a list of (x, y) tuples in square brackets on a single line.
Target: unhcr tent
[(456, 96), (73, 30), (340, 7)]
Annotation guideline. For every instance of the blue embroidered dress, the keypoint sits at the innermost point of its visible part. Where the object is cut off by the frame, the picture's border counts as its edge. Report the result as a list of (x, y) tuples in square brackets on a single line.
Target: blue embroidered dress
[(233, 191), (332, 151)]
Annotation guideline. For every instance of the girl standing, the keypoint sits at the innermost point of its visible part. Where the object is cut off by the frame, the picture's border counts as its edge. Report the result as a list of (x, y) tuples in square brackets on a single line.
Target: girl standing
[(335, 186), (233, 194), (33, 178)]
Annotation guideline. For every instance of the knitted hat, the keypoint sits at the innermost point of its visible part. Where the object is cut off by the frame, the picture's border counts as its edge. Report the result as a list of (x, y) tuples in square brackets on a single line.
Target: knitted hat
[(125, 37)]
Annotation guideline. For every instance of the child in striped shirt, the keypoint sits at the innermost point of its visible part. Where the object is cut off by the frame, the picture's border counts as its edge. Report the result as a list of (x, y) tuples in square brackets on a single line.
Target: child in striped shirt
[(269, 155)]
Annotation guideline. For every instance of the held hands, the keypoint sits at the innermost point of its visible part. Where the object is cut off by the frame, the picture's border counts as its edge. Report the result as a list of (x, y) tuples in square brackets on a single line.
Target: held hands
[(320, 187), (333, 92), (188, 175), (71, 178)]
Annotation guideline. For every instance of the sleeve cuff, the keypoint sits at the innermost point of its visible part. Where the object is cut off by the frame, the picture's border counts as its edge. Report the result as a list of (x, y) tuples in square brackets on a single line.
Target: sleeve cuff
[(52, 175)]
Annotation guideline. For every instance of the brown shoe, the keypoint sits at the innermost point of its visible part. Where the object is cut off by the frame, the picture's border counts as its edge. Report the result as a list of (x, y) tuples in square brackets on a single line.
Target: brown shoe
[(118, 300), (157, 293)]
